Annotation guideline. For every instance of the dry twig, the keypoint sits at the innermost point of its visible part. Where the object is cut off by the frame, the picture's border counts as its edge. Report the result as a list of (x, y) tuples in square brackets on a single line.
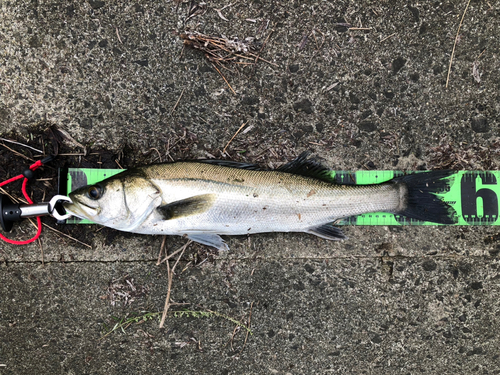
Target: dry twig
[(182, 248), (455, 44), (261, 49), (220, 49), (13, 199), (158, 262), (235, 134), (223, 50), (178, 100), (118, 35), (219, 11), (18, 153), (224, 78), (248, 327), (66, 235), (20, 144), (387, 37), (170, 278)]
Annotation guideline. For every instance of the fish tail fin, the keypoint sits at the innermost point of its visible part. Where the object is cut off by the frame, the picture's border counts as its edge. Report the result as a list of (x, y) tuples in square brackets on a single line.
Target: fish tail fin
[(421, 201)]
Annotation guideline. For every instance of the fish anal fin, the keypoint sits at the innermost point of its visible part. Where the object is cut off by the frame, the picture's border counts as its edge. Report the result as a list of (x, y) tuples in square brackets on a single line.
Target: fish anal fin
[(209, 239), (187, 207), (328, 231)]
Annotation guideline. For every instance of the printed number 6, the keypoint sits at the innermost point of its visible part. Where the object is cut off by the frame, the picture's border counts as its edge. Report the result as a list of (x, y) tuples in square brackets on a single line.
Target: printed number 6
[(469, 197)]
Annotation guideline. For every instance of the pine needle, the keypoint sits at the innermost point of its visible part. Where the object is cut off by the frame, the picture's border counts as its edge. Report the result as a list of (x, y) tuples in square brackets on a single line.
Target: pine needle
[(455, 44)]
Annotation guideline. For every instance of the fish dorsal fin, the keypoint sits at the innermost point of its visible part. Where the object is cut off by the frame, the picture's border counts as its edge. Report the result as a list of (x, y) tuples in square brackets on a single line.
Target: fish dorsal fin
[(300, 166), (232, 164), (308, 168), (187, 207)]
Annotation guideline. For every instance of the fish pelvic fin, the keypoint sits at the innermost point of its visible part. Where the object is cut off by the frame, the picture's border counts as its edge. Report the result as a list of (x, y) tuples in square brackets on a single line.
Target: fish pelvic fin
[(421, 201), (328, 231), (187, 207)]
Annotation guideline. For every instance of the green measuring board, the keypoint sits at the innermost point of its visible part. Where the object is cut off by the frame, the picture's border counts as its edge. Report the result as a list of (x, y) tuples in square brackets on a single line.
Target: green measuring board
[(473, 195)]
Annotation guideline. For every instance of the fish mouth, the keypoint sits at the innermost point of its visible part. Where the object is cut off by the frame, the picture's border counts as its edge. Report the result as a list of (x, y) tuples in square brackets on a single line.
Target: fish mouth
[(81, 210)]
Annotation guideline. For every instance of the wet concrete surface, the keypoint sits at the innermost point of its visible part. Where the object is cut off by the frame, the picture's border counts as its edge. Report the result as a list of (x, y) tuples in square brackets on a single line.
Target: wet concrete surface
[(388, 300)]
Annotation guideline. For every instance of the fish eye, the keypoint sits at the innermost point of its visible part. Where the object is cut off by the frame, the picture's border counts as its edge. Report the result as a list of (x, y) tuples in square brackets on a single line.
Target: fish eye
[(94, 192)]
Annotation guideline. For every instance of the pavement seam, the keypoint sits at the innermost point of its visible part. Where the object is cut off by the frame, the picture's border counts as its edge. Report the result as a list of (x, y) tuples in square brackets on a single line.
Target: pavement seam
[(382, 258)]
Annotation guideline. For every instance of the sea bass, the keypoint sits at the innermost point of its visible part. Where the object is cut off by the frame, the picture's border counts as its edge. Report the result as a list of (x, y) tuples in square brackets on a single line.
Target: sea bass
[(206, 199)]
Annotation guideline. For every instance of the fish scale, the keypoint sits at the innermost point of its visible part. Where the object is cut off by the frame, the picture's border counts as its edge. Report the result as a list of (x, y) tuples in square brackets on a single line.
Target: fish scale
[(289, 202)]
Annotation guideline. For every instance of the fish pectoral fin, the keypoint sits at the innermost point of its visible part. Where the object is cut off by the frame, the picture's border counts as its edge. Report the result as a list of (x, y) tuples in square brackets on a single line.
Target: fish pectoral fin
[(187, 207), (328, 231), (209, 239)]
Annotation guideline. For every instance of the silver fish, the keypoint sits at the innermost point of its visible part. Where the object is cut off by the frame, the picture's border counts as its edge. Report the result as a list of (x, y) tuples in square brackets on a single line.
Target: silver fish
[(206, 199)]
